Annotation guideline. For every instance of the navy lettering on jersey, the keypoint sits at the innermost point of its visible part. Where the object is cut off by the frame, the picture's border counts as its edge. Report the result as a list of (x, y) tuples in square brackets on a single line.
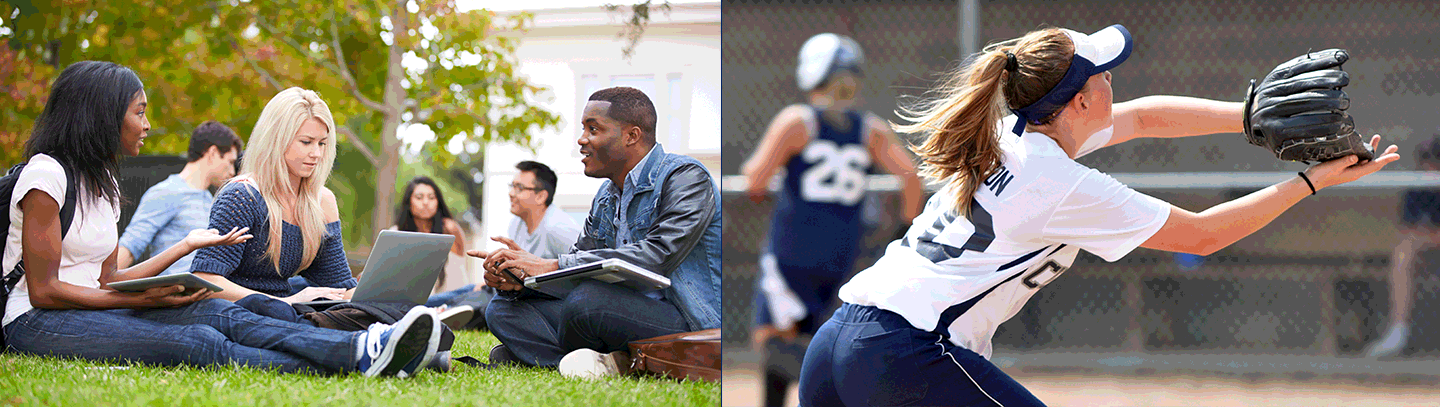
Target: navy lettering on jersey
[(979, 240), (999, 180), (1044, 275), (954, 312)]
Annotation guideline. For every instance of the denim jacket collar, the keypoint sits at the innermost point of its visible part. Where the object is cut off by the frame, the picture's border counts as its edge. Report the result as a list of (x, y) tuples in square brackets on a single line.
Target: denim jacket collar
[(641, 177)]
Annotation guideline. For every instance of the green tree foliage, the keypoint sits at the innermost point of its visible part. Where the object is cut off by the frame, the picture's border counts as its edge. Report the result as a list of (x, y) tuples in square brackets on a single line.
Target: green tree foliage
[(636, 20), (223, 60)]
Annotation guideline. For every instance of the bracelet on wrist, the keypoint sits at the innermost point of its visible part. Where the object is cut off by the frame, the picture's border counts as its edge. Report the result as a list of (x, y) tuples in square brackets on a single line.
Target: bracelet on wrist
[(1313, 191)]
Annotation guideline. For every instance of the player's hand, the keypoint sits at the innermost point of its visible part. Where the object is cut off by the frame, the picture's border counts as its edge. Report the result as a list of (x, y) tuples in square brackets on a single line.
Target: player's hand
[(202, 238), (311, 293), (1349, 168), (172, 296)]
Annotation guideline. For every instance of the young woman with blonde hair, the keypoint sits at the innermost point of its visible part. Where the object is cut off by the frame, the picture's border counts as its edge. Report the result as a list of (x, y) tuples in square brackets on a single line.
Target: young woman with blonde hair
[(1014, 211), (281, 196)]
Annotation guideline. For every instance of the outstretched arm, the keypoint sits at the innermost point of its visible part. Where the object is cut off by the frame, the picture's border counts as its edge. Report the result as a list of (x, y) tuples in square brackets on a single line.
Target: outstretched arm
[(111, 271), (1222, 225), (40, 249), (1174, 116)]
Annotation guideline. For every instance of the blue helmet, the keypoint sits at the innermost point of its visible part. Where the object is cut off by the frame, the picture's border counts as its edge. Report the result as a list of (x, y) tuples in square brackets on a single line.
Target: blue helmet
[(824, 55)]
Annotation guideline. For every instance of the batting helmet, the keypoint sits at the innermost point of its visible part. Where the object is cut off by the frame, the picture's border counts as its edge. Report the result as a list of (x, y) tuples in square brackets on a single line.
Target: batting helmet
[(824, 55)]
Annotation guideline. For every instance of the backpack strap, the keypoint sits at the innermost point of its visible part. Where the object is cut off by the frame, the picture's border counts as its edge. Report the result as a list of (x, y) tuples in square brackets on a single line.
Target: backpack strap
[(67, 210), (472, 361), (67, 215)]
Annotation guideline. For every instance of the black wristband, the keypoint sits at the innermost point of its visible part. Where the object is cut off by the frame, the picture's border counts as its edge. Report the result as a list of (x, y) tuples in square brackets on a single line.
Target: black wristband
[(1307, 182)]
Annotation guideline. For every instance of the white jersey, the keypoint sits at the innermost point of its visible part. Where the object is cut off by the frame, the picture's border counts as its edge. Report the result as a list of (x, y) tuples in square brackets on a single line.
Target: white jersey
[(962, 276)]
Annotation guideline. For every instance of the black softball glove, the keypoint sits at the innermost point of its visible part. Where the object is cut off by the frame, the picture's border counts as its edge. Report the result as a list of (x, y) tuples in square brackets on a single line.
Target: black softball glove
[(1298, 112)]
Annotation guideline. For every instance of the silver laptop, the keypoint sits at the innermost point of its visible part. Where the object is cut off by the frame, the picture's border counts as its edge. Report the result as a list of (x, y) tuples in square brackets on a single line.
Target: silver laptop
[(402, 267)]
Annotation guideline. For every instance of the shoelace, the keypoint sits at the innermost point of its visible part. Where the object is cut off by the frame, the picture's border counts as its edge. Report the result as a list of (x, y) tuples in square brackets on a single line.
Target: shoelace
[(372, 340)]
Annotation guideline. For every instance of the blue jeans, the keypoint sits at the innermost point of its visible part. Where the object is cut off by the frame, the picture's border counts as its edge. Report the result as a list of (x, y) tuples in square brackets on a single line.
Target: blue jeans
[(449, 297), (866, 356), (208, 332), (540, 329)]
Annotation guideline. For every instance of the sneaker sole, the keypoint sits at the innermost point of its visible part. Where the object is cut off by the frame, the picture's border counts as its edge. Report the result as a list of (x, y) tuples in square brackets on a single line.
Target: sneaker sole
[(431, 347), (397, 330), (458, 319), (413, 329)]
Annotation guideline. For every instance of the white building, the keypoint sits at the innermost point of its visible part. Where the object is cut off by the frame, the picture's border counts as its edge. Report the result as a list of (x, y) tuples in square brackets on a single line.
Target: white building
[(574, 52)]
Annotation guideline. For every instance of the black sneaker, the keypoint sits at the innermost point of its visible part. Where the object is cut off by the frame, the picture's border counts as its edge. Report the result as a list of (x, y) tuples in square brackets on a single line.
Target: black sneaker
[(501, 355)]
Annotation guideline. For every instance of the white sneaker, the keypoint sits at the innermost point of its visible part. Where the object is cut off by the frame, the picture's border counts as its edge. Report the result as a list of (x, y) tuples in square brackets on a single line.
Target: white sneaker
[(589, 364), (1391, 343), (457, 316)]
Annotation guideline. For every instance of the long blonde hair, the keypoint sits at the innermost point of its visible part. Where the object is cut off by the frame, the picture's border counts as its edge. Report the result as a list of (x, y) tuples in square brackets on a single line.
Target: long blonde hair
[(264, 164), (962, 144)]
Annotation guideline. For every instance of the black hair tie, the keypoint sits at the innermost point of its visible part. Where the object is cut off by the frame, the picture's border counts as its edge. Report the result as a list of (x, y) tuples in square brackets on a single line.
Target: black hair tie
[(1011, 64)]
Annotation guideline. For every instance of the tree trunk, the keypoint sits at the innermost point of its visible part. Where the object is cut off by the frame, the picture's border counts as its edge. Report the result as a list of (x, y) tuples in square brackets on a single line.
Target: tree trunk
[(394, 100)]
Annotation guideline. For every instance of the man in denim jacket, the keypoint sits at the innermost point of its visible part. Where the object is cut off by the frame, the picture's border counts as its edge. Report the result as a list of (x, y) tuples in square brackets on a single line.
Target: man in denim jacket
[(658, 211)]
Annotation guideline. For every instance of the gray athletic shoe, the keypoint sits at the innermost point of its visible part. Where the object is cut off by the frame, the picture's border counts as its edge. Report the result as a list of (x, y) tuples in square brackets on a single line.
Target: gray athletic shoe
[(1391, 343), (501, 355), (441, 363)]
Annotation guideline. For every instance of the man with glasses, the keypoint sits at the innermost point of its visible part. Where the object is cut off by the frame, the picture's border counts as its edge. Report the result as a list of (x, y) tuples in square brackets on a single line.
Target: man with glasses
[(539, 227)]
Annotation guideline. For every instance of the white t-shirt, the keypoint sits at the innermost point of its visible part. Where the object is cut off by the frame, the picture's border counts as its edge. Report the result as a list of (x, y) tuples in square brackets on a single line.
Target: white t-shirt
[(963, 277), (91, 239)]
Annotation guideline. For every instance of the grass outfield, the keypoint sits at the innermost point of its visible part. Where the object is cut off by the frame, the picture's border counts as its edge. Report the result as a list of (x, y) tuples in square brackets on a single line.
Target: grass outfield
[(28, 380)]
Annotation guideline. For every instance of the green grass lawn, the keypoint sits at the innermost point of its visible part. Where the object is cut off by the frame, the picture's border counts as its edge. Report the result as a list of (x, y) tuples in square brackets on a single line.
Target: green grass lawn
[(28, 380)]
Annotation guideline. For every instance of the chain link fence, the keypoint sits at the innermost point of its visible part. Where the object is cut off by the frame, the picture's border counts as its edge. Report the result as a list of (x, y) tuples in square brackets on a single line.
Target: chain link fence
[(1313, 283)]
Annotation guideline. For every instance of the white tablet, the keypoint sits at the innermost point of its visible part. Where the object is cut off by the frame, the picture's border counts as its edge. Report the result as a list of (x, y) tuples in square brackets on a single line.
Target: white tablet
[(190, 281), (613, 271)]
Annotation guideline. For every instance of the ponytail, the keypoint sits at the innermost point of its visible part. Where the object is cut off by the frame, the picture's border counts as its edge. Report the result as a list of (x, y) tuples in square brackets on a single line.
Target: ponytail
[(961, 124)]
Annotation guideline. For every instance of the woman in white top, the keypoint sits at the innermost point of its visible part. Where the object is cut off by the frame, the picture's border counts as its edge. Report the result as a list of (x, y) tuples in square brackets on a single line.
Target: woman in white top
[(64, 306), (423, 209), (1015, 210)]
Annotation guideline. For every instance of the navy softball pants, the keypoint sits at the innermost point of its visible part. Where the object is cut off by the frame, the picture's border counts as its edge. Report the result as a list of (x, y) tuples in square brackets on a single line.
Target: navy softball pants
[(866, 356)]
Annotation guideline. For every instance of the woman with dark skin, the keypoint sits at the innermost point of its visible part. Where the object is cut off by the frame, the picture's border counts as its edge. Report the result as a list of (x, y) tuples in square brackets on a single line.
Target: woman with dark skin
[(423, 209)]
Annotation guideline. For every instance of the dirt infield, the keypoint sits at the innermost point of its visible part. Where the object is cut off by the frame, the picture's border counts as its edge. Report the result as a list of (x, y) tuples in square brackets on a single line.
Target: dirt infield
[(742, 388)]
